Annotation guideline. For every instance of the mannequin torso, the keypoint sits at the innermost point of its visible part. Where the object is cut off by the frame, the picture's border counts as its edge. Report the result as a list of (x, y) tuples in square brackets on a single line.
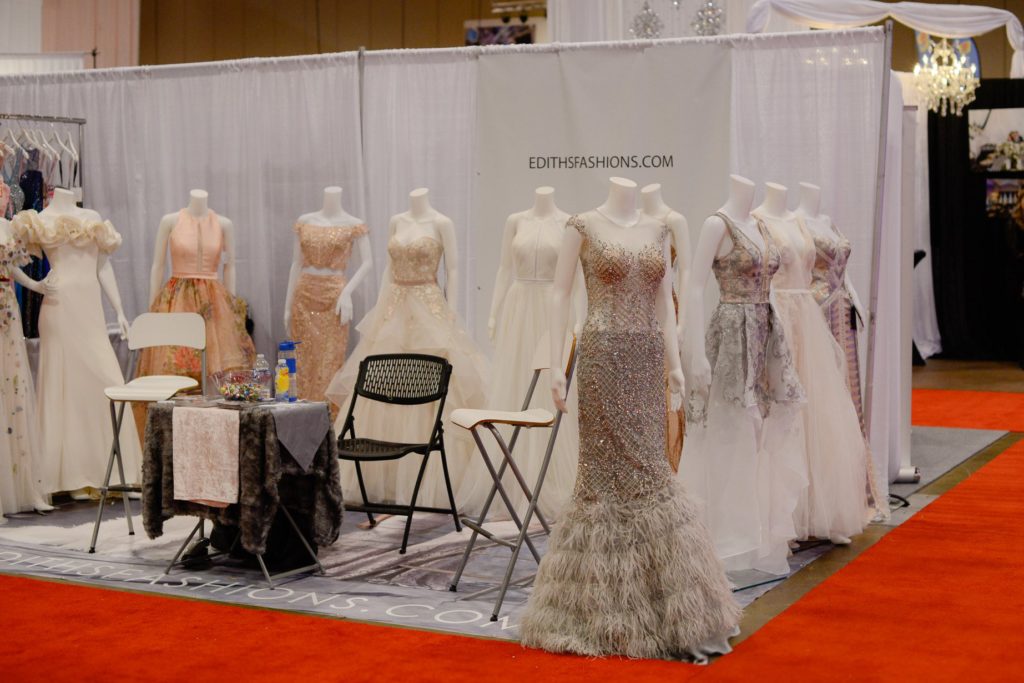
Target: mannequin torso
[(422, 221)]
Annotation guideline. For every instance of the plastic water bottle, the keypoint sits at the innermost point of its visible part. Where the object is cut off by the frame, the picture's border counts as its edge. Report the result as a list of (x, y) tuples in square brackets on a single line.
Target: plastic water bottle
[(263, 377), (281, 377), (286, 352)]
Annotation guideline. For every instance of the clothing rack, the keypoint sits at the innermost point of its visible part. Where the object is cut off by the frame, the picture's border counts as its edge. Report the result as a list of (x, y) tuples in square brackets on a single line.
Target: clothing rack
[(66, 120)]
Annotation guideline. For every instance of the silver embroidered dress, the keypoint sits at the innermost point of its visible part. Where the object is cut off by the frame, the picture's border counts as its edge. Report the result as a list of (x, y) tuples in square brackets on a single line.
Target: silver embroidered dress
[(630, 569)]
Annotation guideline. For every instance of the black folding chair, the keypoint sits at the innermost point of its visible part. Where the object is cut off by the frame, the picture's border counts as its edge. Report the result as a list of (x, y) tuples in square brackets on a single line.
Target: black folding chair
[(399, 379)]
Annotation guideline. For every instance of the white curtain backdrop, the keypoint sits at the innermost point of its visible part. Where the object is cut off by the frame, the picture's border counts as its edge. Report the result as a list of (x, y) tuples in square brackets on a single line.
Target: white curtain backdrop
[(793, 121), (951, 21), (419, 109), (262, 136)]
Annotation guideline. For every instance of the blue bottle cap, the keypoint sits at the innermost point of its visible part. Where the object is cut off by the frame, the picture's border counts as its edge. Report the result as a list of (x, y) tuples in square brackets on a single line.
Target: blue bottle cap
[(287, 345)]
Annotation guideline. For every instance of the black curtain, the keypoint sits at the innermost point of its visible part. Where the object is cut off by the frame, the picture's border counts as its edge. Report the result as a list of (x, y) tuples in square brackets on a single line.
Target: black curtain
[(977, 260)]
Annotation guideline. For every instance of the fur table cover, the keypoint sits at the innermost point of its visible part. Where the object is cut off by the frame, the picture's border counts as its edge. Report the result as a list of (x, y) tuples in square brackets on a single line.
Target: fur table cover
[(268, 478)]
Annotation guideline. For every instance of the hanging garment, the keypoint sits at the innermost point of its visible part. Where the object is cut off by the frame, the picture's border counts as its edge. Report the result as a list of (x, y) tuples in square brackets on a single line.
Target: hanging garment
[(31, 183), (630, 568), (314, 320), (76, 360), (196, 245), (835, 503), (21, 486), (411, 316), (737, 460), (522, 322)]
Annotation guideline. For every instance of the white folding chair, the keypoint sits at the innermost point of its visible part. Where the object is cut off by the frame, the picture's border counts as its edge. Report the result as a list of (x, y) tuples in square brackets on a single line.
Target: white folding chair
[(528, 418), (147, 330)]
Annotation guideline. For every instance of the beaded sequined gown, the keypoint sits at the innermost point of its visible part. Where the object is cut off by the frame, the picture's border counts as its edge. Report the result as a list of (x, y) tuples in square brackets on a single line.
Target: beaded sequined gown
[(411, 316), (630, 568), (314, 321), (835, 502), (738, 460)]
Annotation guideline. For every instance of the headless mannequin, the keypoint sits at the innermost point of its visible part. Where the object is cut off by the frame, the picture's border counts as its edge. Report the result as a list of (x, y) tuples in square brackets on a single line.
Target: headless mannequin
[(714, 242), (621, 208), (821, 225), (197, 208), (63, 204), (679, 232), (543, 208), (423, 220), (43, 286), (774, 204), (332, 214)]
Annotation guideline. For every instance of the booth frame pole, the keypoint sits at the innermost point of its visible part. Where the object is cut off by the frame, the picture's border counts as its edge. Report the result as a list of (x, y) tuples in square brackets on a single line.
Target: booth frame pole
[(876, 250)]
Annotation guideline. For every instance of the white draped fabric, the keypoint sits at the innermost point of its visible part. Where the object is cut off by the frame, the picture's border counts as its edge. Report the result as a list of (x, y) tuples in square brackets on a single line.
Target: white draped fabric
[(262, 136), (45, 63), (950, 21), (792, 122)]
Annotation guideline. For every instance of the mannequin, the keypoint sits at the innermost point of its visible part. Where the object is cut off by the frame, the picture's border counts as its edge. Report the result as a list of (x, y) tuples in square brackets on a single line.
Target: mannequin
[(626, 500), (317, 287), (679, 239), (520, 315), (21, 484), (413, 315), (199, 241), (76, 360)]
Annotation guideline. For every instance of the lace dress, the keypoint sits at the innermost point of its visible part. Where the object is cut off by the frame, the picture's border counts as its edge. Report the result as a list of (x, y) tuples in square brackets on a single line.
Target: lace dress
[(835, 502), (522, 322), (194, 287), (314, 321), (738, 460), (630, 569), (21, 486), (76, 360), (411, 316)]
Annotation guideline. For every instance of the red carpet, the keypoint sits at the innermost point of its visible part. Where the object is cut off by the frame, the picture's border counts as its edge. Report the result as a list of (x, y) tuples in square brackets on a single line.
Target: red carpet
[(968, 409), (939, 598), (61, 632)]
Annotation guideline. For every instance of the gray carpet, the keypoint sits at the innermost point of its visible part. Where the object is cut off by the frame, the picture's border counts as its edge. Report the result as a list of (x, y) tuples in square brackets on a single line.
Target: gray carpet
[(937, 450)]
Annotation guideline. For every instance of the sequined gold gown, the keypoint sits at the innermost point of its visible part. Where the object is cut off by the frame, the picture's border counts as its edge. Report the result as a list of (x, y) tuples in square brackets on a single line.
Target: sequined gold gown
[(314, 321), (630, 568), (411, 316)]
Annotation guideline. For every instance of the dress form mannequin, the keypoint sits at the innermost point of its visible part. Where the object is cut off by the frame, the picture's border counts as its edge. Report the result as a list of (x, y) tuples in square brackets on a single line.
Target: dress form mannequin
[(431, 223), (317, 288), (332, 214), (774, 204), (43, 286)]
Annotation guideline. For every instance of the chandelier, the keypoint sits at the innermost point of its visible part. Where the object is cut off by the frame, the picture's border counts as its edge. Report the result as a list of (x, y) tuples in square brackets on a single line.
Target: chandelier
[(944, 80)]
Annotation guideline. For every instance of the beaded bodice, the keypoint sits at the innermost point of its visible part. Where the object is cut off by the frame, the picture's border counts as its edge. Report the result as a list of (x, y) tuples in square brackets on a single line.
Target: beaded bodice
[(327, 247), (414, 262), (622, 277), (745, 274), (832, 253)]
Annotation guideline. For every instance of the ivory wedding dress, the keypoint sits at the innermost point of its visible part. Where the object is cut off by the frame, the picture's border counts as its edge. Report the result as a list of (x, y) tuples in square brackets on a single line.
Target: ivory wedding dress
[(630, 568), (411, 316), (522, 322), (76, 360), (835, 503)]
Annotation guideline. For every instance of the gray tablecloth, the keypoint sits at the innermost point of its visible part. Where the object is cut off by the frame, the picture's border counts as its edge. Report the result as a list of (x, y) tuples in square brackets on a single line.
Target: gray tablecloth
[(300, 428)]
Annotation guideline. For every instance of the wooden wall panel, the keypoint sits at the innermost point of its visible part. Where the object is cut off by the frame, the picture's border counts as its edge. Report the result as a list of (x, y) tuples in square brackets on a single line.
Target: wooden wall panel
[(353, 24), (419, 24), (451, 19), (386, 24), (228, 38)]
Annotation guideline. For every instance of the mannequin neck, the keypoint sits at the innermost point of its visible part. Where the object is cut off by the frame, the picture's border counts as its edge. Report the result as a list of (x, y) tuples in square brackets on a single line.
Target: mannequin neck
[(620, 206), (197, 203), (653, 203), (63, 202), (332, 208), (741, 198), (810, 200), (419, 204), (544, 203), (774, 204)]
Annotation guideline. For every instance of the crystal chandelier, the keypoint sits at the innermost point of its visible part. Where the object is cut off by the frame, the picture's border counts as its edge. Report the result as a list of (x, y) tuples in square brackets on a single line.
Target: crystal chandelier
[(944, 80), (646, 24), (709, 19)]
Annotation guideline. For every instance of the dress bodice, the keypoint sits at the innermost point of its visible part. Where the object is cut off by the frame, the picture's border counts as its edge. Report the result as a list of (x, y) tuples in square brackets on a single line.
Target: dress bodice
[(796, 249), (535, 247), (196, 246), (327, 247), (622, 275), (832, 253), (414, 262), (745, 274)]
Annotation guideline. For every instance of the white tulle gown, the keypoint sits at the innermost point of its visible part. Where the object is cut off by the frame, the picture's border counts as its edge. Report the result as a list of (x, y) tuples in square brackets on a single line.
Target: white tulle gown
[(411, 316), (76, 360), (835, 503), (740, 459), (21, 487), (529, 254)]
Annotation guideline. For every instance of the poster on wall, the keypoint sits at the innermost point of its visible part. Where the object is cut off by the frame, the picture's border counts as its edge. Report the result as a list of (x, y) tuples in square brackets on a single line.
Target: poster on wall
[(996, 140), (575, 118)]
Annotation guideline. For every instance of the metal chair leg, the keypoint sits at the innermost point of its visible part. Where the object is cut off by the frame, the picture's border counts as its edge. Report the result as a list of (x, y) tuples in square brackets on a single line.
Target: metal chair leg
[(105, 487), (362, 491), (182, 548), (448, 485), (120, 463), (412, 503), (481, 518), (302, 538)]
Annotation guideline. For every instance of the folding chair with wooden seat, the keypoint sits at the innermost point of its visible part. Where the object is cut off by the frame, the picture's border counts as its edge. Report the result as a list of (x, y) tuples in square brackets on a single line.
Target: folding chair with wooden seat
[(527, 418), (399, 379), (147, 330)]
